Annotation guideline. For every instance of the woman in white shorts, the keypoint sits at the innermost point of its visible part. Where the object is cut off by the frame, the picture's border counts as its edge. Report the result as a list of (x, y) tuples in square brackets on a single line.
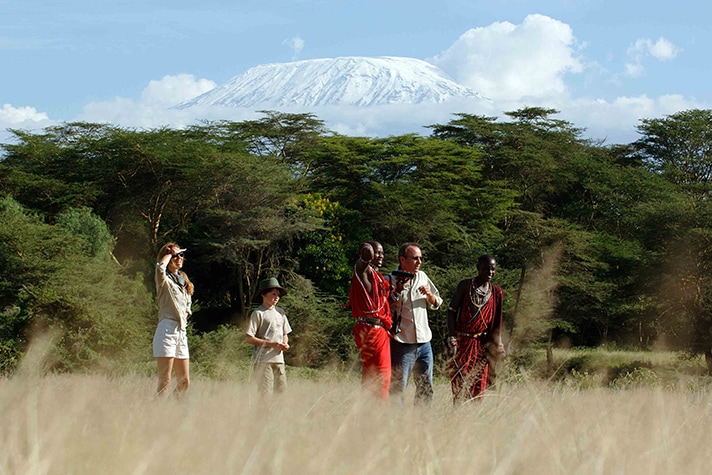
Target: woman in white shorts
[(174, 294)]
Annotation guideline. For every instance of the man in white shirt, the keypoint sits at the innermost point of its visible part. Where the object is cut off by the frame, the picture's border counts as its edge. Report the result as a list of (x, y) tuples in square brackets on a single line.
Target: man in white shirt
[(411, 351)]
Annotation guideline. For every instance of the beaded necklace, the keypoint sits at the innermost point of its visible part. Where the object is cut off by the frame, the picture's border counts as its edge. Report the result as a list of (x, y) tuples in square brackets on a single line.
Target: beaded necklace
[(479, 298), (376, 302)]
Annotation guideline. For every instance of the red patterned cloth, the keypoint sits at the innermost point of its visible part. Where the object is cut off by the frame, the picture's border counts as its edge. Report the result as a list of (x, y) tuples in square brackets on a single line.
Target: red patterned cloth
[(374, 305), (476, 327), (374, 344), (373, 341)]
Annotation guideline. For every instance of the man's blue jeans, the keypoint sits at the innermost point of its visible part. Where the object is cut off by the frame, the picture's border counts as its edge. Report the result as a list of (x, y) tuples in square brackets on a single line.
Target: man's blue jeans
[(416, 358)]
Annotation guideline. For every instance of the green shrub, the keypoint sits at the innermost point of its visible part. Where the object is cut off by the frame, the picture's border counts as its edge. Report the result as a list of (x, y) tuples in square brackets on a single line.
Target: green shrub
[(582, 380), (53, 280), (322, 328), (221, 354), (638, 377), (580, 364), (623, 370)]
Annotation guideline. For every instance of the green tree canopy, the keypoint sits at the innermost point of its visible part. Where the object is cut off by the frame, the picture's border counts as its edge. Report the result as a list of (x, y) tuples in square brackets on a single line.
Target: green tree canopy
[(55, 278)]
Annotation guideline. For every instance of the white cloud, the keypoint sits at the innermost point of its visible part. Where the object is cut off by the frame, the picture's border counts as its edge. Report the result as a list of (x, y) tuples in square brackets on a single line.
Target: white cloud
[(172, 90), (23, 118), (17, 115), (504, 61), (613, 120), (662, 50), (529, 64), (395, 119), (153, 109), (634, 70), (616, 120), (296, 44)]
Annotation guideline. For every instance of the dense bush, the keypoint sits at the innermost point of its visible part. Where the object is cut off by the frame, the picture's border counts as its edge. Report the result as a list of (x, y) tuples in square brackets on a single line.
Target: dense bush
[(321, 327), (595, 244), (61, 278), (220, 354)]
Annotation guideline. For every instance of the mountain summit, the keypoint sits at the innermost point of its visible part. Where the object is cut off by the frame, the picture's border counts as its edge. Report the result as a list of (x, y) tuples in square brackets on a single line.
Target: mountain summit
[(356, 81)]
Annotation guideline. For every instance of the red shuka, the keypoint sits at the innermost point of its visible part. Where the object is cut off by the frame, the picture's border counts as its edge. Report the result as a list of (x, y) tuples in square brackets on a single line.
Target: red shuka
[(373, 341), (469, 370)]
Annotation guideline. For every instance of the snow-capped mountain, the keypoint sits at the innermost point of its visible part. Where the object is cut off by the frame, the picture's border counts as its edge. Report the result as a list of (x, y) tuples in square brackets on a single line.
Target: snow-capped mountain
[(355, 81)]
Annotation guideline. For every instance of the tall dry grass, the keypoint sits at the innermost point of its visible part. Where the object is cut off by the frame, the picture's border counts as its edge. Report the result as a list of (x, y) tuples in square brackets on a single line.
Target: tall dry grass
[(84, 424)]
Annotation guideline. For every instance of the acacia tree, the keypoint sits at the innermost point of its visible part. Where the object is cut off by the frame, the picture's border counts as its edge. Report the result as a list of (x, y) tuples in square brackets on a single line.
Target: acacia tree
[(249, 230), (285, 136), (146, 184), (679, 148), (237, 194), (432, 191), (569, 193), (411, 188), (200, 186)]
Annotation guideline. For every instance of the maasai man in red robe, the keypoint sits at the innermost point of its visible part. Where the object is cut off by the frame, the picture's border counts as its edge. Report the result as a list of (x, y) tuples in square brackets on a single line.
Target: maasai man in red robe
[(474, 321), (369, 300)]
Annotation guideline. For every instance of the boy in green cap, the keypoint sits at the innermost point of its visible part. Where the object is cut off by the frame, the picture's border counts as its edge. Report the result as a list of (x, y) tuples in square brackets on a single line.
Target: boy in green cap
[(268, 331)]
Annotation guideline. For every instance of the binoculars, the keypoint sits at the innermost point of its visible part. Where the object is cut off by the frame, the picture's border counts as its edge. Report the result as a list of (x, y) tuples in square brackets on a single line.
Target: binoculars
[(401, 274)]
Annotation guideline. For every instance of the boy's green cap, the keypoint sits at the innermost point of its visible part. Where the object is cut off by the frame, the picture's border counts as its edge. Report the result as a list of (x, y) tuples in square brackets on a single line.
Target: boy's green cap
[(266, 284)]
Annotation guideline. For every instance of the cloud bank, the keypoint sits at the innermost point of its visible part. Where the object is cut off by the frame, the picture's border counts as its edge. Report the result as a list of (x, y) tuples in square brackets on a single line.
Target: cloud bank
[(514, 65)]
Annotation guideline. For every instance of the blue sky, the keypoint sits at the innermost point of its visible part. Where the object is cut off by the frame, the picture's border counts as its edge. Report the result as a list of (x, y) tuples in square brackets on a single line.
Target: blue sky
[(605, 64)]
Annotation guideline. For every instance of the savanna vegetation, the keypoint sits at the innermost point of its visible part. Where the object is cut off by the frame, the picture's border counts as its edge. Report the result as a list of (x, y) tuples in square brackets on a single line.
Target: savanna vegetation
[(79, 423), (596, 244)]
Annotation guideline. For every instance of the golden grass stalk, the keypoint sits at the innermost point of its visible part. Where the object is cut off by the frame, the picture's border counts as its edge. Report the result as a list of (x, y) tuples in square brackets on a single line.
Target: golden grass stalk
[(85, 424)]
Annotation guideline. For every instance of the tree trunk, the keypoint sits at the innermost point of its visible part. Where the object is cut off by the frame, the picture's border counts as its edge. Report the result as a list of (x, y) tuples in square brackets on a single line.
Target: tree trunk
[(550, 359), (522, 274), (708, 360), (550, 354)]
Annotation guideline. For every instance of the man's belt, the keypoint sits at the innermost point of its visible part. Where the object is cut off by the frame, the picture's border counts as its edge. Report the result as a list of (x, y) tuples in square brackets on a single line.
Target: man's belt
[(472, 335), (375, 322)]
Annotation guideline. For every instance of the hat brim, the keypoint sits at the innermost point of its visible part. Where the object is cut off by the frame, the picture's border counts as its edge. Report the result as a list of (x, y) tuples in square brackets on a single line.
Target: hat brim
[(258, 296)]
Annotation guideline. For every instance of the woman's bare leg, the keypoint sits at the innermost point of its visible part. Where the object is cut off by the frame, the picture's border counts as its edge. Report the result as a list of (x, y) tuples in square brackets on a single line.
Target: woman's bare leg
[(165, 366), (182, 367)]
